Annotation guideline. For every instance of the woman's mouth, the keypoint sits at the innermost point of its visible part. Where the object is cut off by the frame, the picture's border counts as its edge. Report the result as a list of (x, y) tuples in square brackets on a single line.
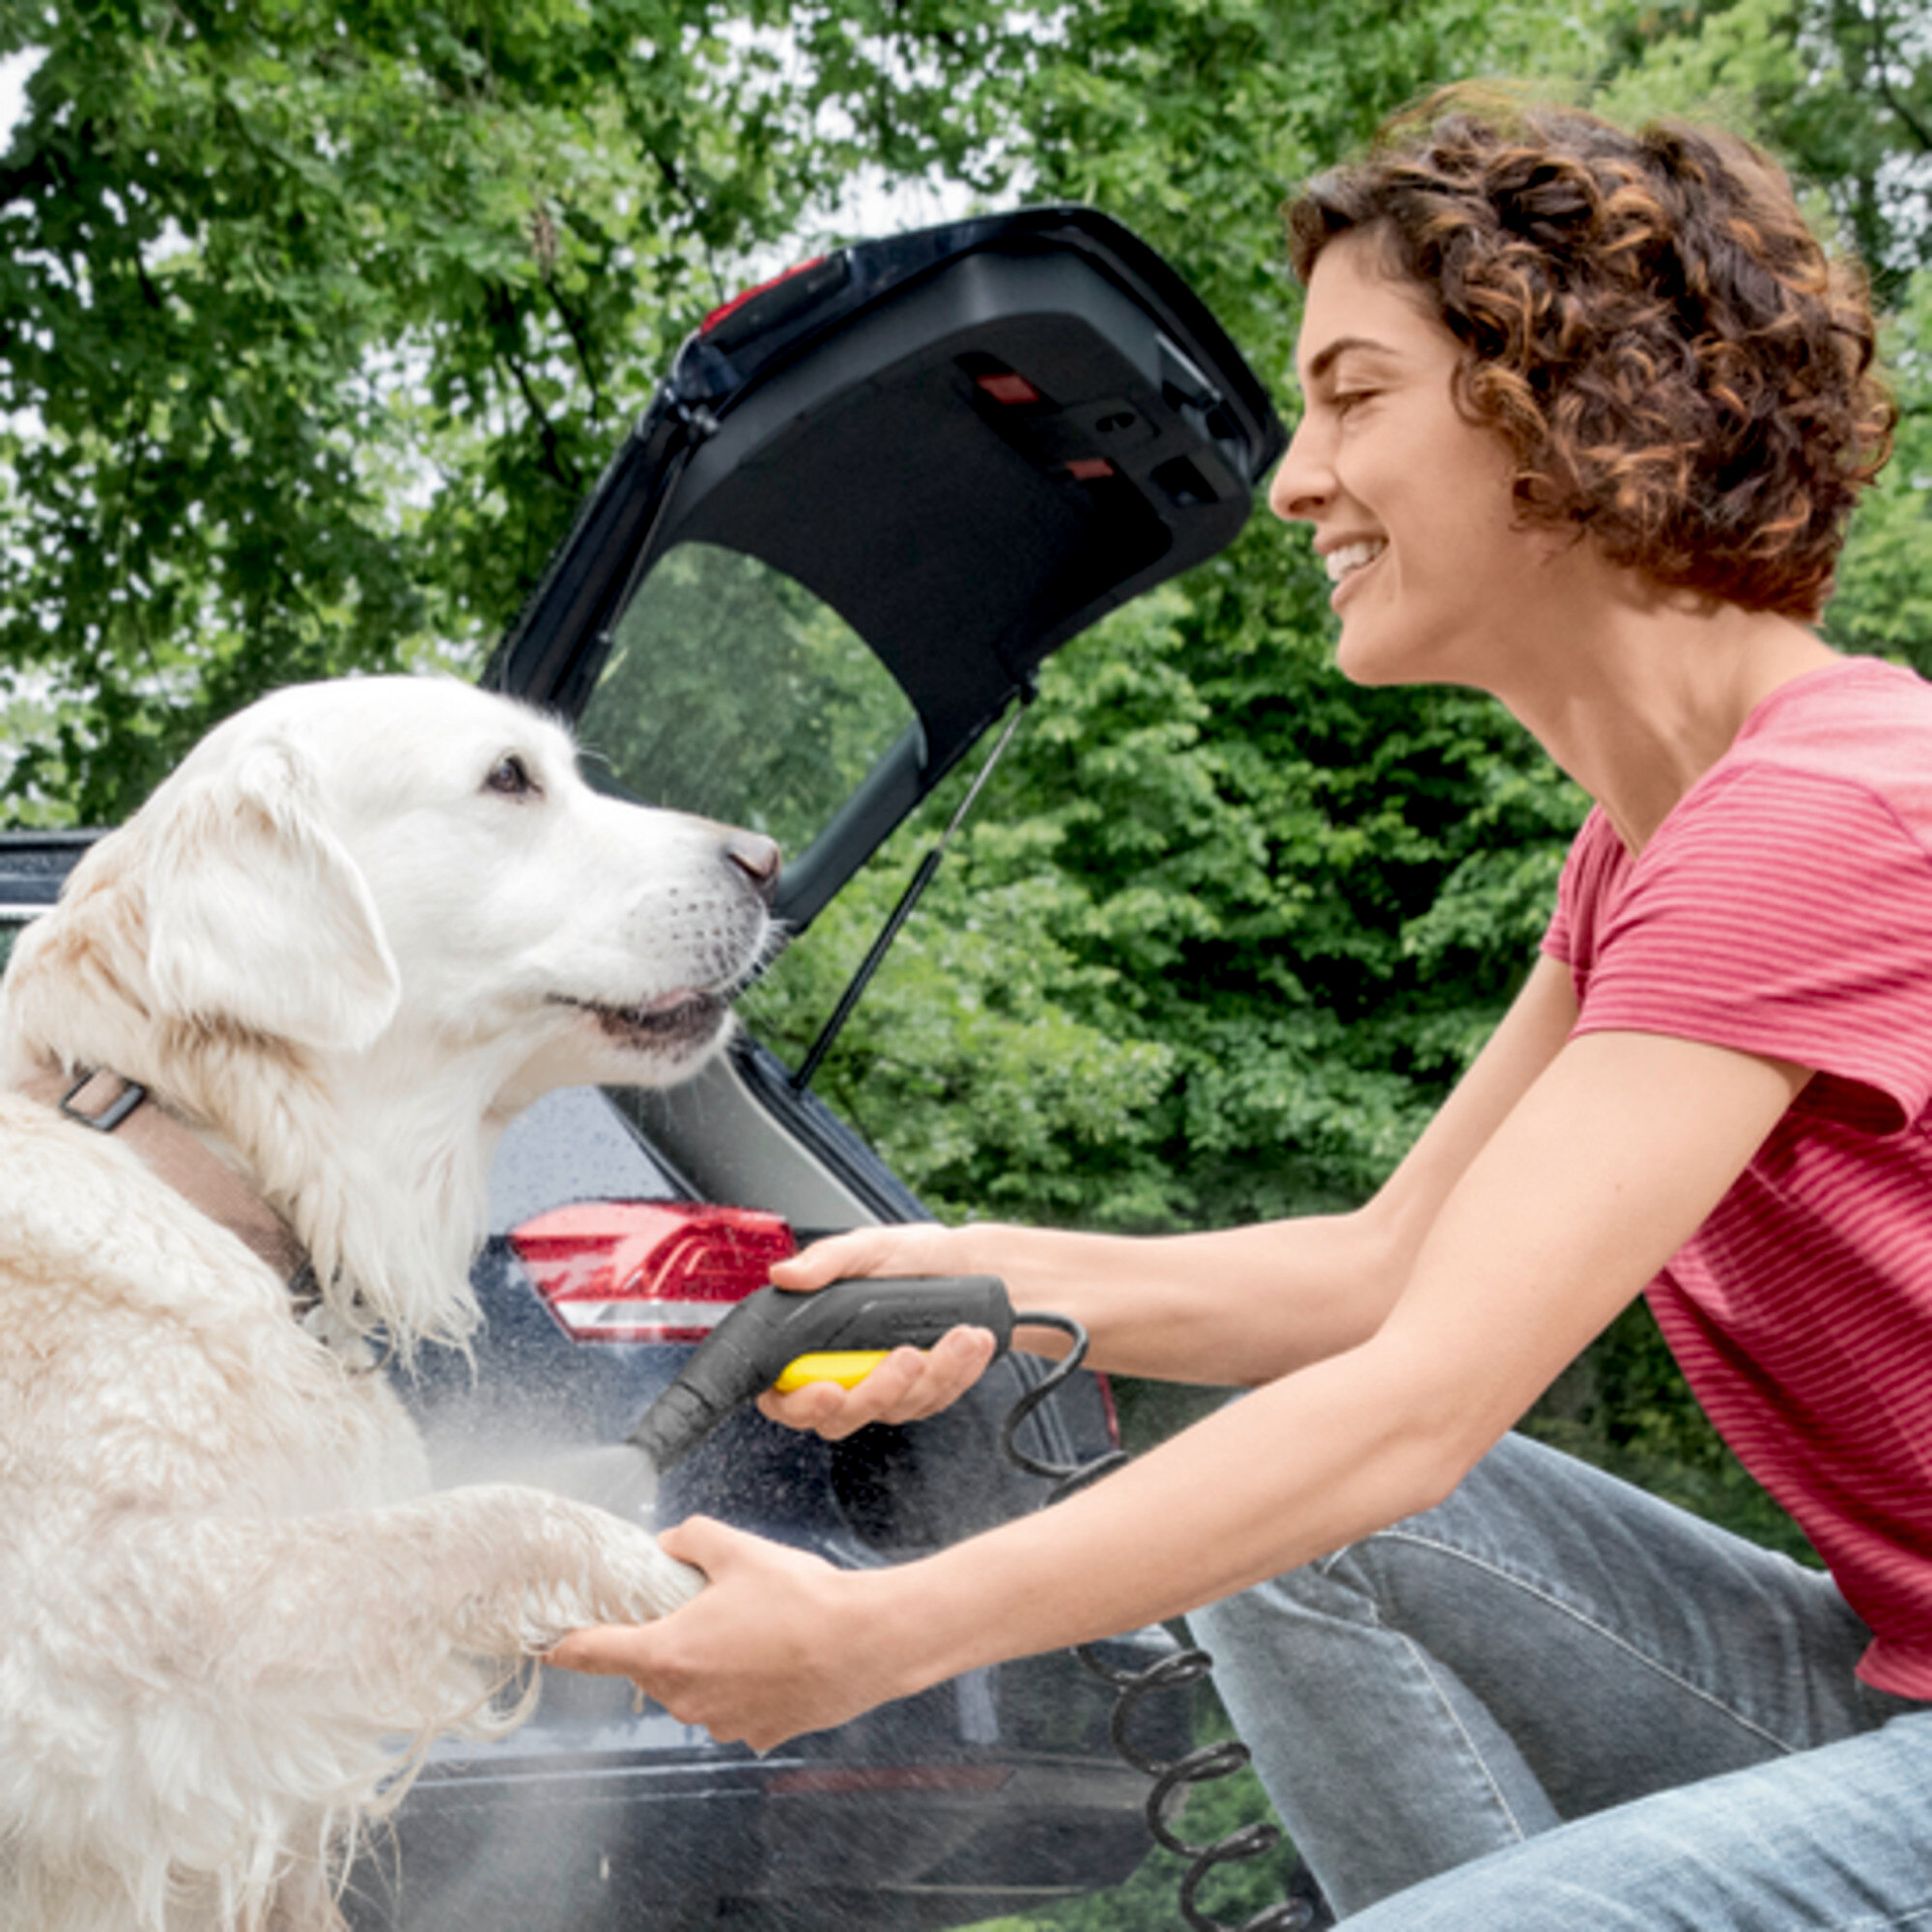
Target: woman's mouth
[(1350, 559)]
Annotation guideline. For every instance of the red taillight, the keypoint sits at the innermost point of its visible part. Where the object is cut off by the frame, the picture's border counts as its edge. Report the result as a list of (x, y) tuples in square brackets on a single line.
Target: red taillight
[(738, 302), (648, 1271)]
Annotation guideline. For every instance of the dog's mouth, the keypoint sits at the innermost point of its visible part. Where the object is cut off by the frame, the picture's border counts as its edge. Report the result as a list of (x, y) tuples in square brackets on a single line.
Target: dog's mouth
[(685, 1016)]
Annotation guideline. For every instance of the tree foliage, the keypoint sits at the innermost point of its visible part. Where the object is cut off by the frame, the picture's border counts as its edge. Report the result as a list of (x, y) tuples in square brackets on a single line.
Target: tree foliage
[(318, 321), (1840, 88)]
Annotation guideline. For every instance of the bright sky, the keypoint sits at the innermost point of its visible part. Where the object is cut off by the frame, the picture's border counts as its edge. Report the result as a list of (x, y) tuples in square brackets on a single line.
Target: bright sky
[(14, 73)]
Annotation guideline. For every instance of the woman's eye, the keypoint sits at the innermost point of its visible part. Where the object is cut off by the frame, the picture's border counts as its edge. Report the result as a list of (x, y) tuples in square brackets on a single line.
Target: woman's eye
[(1351, 399), (510, 776)]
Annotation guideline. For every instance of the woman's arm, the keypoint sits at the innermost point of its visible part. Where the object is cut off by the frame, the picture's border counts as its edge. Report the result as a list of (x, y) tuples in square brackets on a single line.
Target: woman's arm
[(1230, 1309), (1601, 1169)]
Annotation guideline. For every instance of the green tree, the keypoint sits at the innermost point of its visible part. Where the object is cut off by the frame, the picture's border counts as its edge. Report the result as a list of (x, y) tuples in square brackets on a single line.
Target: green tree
[(318, 321), (1841, 88), (1293, 909)]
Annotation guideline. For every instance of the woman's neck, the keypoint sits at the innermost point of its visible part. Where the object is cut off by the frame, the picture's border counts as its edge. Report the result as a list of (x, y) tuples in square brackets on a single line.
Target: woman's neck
[(1650, 690)]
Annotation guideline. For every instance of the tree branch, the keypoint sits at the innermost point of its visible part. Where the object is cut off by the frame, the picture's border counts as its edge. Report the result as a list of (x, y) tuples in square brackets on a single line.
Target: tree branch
[(1882, 52), (579, 341), (681, 190), (554, 462), (503, 313)]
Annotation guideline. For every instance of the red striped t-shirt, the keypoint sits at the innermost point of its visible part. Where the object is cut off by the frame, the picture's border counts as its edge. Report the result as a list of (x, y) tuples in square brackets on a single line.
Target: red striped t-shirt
[(1784, 908)]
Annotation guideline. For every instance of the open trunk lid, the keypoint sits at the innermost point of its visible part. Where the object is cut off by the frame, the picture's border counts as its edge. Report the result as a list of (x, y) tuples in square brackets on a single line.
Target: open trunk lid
[(870, 498)]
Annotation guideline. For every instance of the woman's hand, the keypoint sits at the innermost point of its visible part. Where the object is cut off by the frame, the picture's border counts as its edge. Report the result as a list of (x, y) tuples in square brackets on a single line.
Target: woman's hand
[(893, 1248), (776, 1646), (910, 1384)]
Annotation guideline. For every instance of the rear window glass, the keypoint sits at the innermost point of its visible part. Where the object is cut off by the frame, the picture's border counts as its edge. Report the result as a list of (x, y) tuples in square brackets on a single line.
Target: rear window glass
[(732, 691)]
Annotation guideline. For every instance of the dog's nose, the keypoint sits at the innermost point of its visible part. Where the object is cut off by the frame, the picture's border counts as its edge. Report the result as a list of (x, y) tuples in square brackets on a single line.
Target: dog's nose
[(758, 859)]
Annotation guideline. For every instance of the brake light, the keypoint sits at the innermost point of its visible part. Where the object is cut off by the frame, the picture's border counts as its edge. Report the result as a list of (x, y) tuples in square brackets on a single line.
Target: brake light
[(751, 295), (648, 1271)]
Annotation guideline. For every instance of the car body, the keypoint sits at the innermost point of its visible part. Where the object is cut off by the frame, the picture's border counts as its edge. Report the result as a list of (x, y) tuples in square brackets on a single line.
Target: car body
[(868, 501)]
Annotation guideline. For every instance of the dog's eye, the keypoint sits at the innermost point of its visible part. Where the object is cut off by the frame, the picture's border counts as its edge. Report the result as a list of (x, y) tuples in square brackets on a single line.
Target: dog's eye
[(511, 777)]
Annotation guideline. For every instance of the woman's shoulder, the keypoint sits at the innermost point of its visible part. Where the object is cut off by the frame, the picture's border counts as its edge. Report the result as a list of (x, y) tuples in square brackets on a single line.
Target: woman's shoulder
[(1849, 744), (1829, 782), (1861, 719)]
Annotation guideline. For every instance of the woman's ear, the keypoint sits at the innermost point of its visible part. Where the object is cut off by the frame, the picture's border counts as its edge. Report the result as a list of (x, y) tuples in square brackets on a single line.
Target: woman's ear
[(257, 916)]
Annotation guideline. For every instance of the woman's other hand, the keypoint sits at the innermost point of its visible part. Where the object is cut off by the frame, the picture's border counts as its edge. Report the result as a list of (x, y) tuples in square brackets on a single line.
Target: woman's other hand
[(774, 1645)]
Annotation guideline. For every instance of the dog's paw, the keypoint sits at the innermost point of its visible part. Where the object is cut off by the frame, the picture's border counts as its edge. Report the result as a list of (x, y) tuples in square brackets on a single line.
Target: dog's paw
[(650, 1583), (629, 1580), (517, 1568)]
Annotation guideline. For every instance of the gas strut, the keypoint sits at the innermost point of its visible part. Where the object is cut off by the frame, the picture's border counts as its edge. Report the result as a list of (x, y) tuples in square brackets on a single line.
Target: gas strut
[(914, 891)]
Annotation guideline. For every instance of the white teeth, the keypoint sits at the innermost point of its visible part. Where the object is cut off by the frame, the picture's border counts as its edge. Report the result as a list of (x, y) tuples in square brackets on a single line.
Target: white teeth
[(1352, 556)]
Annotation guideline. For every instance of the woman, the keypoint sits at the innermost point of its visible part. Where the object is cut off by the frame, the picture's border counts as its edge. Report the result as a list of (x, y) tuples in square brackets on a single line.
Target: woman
[(1585, 412)]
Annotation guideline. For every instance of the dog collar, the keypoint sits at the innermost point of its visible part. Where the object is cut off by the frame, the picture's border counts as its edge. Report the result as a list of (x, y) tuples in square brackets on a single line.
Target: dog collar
[(109, 1103)]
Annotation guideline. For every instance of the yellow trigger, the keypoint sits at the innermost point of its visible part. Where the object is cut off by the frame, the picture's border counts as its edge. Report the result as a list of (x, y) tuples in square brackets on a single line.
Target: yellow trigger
[(847, 1367)]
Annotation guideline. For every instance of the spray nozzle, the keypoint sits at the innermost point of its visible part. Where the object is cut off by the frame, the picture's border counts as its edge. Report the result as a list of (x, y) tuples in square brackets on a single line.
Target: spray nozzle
[(786, 1334)]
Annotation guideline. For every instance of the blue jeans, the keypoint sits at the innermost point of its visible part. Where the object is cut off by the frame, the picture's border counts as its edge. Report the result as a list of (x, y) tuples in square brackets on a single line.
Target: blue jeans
[(1555, 1704)]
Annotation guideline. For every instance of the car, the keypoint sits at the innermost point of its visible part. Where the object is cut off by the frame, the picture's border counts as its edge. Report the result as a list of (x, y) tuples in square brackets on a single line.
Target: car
[(868, 500)]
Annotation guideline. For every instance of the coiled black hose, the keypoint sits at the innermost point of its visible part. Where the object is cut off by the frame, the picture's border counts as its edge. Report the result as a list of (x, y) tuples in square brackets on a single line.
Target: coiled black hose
[(1174, 1779)]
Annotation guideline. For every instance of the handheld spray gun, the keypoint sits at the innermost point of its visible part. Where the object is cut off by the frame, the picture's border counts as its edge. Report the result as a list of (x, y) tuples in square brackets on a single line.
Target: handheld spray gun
[(784, 1338)]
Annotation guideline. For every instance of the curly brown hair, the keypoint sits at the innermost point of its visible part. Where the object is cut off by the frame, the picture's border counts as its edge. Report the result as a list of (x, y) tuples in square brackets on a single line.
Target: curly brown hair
[(1680, 368)]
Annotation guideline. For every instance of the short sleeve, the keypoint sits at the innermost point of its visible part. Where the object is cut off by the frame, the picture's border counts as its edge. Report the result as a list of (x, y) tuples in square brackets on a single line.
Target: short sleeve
[(1780, 913), (1590, 872)]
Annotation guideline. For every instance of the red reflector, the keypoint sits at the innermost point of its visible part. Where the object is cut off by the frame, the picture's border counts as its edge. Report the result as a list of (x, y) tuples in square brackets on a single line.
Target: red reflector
[(1003, 387), (1110, 1408), (1088, 468), (738, 302), (839, 1780), (648, 1271)]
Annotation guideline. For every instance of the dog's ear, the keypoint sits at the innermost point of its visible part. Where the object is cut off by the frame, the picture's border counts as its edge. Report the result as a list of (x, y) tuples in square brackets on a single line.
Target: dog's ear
[(257, 915)]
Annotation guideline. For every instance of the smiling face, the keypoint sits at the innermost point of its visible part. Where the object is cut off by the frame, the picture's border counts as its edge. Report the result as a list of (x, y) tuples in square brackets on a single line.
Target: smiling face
[(1410, 504)]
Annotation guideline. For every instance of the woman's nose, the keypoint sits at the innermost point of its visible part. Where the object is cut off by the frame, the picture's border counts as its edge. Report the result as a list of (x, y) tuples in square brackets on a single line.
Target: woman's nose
[(1302, 482)]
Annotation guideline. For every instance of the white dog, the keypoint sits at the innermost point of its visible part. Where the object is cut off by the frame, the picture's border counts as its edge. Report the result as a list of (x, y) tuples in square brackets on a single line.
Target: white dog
[(361, 926)]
